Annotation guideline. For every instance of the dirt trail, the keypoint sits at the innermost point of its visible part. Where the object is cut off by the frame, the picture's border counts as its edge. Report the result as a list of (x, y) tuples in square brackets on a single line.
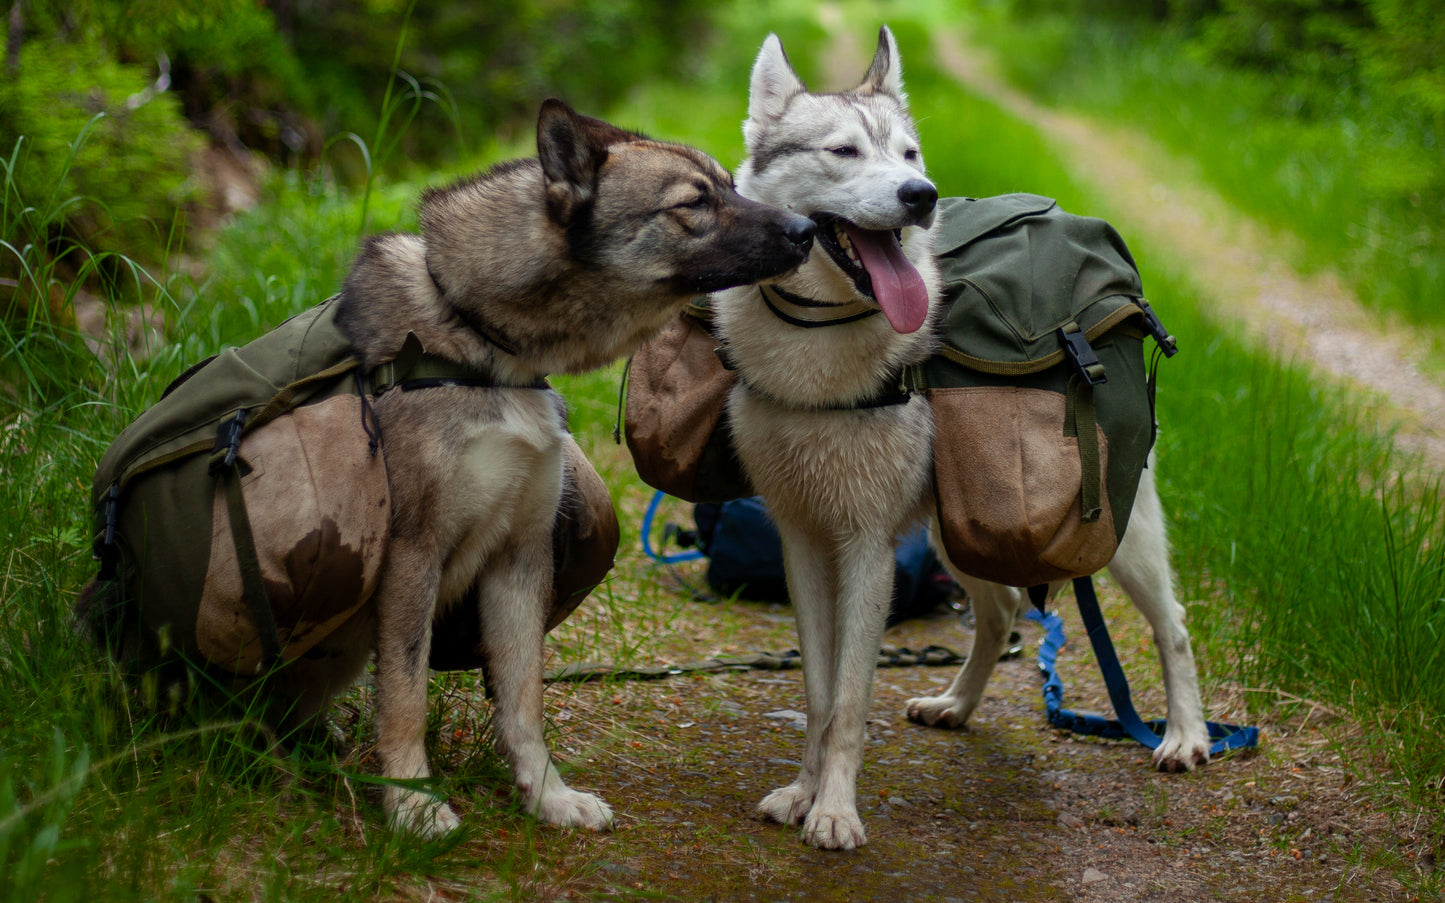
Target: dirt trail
[(1008, 810), (1310, 318)]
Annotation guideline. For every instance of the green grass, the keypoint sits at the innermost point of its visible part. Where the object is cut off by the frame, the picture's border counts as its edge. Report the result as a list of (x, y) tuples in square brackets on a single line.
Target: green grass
[(1349, 171), (1310, 567), (102, 795)]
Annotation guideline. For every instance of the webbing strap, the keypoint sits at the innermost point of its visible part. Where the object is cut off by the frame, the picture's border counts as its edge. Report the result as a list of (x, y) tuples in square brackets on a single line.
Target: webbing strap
[(284, 400), (223, 465), (1081, 422), (1128, 723), (1114, 680)]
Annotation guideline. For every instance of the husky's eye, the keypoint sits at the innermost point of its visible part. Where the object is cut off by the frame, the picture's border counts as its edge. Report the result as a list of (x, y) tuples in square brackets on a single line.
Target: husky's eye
[(911, 154), (843, 150)]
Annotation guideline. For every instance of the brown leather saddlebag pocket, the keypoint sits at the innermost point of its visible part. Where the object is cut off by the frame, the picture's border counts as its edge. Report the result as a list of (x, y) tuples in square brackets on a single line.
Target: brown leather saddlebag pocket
[(319, 508), (1009, 483), (676, 423)]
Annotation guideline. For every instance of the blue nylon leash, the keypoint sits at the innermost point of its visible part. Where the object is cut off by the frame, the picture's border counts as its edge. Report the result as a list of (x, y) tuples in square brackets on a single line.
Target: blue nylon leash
[(647, 519), (1128, 723)]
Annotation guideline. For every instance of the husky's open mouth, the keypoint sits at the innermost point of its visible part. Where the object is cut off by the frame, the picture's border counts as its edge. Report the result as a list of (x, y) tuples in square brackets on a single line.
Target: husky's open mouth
[(874, 260)]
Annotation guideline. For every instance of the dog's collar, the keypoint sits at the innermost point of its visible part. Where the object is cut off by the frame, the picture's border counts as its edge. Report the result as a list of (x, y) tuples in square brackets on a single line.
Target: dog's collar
[(473, 322), (808, 313)]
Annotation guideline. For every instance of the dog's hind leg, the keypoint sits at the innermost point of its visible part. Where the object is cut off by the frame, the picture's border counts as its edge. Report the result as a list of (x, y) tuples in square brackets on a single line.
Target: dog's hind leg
[(1142, 568), (812, 587), (513, 603), (994, 608), (406, 600)]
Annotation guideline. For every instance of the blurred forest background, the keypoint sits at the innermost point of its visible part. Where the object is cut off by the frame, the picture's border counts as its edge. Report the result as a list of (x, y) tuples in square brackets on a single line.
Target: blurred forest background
[(198, 97)]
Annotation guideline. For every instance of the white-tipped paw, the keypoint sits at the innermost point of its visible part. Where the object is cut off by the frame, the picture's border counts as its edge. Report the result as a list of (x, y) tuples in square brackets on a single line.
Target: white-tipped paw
[(423, 815), (567, 808), (938, 711), (1182, 750), (834, 830), (787, 805)]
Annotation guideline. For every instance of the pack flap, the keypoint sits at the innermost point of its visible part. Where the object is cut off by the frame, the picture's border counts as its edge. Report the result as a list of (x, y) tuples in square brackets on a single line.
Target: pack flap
[(962, 220), (1018, 269), (247, 377)]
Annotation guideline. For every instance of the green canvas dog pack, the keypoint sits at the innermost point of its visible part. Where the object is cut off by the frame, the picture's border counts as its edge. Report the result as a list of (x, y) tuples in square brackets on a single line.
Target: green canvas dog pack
[(245, 515), (1043, 409)]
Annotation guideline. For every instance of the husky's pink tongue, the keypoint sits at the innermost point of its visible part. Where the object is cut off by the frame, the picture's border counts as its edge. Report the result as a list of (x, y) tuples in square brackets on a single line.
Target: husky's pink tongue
[(896, 284)]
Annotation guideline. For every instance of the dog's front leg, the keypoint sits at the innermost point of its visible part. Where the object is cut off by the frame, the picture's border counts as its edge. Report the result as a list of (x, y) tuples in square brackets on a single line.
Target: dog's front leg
[(514, 596), (812, 582), (405, 603), (865, 583)]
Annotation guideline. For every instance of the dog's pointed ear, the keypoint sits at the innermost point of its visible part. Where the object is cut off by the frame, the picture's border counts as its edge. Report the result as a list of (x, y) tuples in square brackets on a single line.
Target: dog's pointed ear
[(885, 75), (774, 82), (572, 148)]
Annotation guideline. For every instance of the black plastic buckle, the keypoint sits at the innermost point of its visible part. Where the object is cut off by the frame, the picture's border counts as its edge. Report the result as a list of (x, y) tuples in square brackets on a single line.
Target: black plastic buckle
[(228, 443), (1081, 355), (112, 513), (1166, 342)]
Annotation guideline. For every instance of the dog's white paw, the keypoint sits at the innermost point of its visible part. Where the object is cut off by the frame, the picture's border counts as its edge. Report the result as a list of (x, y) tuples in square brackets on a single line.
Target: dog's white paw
[(423, 815), (937, 711), (834, 830), (1182, 750), (787, 805), (567, 808)]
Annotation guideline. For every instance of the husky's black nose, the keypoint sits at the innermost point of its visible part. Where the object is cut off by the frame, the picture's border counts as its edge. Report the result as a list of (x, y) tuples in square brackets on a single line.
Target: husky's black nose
[(919, 196), (799, 230)]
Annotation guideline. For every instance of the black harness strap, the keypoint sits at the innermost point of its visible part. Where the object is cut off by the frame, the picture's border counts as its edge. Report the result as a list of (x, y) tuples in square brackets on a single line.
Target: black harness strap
[(447, 382), (223, 467), (810, 304), (892, 393)]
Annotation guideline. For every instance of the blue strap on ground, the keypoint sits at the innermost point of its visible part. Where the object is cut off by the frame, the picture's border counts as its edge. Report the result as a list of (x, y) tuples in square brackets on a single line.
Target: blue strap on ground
[(1129, 724)]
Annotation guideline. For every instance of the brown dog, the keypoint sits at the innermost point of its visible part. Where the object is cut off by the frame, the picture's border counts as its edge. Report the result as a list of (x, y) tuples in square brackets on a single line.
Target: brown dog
[(550, 265)]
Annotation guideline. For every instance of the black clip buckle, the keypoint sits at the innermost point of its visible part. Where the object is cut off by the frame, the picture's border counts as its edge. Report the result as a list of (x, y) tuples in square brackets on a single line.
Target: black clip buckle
[(1166, 342), (228, 443), (1081, 355), (112, 513)]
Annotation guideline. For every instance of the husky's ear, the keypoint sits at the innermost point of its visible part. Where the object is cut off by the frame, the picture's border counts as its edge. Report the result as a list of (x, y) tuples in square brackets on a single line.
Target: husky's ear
[(885, 75), (774, 82), (572, 148)]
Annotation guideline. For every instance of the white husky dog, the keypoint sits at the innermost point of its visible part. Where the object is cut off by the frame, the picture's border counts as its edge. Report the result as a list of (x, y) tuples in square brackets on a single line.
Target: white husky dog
[(842, 456)]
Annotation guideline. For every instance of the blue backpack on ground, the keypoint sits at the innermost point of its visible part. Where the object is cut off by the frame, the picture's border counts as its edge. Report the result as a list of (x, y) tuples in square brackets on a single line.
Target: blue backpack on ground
[(745, 557)]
